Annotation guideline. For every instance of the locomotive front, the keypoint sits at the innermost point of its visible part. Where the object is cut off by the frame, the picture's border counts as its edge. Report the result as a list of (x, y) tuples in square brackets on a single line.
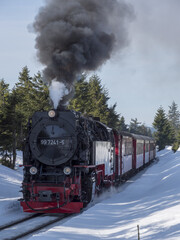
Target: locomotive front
[(51, 146), (53, 139)]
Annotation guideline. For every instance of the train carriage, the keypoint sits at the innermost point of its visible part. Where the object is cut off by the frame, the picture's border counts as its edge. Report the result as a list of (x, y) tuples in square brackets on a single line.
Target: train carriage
[(133, 152), (139, 157), (127, 153), (145, 149)]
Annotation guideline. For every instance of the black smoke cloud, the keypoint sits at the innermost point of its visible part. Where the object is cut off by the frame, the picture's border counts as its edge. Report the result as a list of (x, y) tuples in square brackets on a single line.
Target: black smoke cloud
[(75, 36)]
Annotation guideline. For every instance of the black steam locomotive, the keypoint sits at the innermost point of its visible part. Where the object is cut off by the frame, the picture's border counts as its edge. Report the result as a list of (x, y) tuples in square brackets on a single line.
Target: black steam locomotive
[(68, 158), (58, 160)]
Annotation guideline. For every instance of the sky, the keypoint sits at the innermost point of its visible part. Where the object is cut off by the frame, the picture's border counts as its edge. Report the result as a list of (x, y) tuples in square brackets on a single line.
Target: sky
[(142, 78)]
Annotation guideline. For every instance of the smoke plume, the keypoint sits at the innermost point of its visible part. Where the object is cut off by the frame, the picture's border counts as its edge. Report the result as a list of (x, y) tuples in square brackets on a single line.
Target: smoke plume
[(75, 36), (57, 90)]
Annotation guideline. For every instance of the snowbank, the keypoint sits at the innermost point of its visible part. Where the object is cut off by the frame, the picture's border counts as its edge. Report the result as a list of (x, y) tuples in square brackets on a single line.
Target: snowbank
[(151, 200), (10, 182)]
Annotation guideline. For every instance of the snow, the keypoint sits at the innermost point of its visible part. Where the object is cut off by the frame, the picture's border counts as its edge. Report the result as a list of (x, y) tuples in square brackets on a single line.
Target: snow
[(10, 181), (151, 200)]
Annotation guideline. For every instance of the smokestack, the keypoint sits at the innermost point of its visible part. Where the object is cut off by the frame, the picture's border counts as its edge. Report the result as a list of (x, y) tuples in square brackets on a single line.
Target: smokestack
[(75, 36)]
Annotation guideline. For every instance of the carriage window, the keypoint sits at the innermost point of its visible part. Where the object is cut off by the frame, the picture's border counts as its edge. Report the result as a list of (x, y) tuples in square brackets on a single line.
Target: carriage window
[(147, 147), (127, 142), (151, 146), (139, 148)]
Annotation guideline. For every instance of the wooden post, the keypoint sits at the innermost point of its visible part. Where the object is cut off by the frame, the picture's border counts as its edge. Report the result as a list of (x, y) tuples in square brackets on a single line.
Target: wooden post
[(138, 232)]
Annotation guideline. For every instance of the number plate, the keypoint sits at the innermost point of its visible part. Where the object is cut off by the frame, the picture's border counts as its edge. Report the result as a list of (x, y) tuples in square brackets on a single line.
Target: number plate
[(52, 142)]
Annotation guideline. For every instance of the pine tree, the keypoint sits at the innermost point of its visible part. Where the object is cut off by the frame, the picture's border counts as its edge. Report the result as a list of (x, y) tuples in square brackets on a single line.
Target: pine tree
[(7, 126), (138, 128), (98, 98), (16, 106), (122, 126), (134, 126), (143, 130), (164, 134), (24, 97), (176, 144), (4, 133), (113, 118), (91, 98), (31, 95), (174, 116), (149, 132), (178, 137), (40, 94), (174, 119), (13, 124), (80, 102)]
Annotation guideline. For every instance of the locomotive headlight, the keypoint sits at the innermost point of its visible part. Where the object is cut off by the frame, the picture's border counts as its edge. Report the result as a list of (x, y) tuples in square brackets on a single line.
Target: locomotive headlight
[(33, 170), (51, 113), (67, 170)]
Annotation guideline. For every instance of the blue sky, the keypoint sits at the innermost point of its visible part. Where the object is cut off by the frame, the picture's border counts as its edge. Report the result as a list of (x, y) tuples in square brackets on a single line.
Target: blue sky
[(145, 75), (16, 43)]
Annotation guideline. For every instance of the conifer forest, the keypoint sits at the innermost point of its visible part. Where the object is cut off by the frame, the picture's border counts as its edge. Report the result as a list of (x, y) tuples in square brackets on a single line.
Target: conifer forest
[(30, 94)]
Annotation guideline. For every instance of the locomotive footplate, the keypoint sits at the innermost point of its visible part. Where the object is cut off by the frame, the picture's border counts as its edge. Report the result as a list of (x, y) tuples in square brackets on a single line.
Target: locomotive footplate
[(52, 199), (51, 207)]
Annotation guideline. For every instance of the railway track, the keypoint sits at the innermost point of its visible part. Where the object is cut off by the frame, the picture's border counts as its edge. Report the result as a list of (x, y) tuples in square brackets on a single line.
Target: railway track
[(21, 228)]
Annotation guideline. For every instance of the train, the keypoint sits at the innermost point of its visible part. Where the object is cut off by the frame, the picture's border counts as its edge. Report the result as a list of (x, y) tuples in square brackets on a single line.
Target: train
[(69, 158)]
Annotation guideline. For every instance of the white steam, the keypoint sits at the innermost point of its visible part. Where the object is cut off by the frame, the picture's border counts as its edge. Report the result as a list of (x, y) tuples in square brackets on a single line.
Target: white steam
[(57, 91)]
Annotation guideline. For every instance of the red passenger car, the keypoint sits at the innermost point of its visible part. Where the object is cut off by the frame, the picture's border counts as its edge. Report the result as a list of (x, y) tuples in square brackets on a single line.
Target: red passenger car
[(133, 152)]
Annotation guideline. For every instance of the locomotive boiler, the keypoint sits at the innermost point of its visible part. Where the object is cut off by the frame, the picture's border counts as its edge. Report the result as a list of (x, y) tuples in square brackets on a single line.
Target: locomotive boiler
[(64, 161)]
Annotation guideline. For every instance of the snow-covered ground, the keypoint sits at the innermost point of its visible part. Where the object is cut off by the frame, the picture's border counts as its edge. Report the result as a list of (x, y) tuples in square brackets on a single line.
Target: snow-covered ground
[(151, 200), (10, 181)]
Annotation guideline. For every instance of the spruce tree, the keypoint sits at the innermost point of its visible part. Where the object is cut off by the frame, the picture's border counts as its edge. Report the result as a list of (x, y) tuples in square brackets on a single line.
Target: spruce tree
[(80, 101), (174, 116), (98, 98), (134, 126), (40, 94), (16, 106), (143, 130), (122, 126), (113, 118), (138, 128), (176, 144), (31, 95), (149, 132), (178, 137), (91, 98), (4, 133), (164, 134), (7, 126), (24, 96)]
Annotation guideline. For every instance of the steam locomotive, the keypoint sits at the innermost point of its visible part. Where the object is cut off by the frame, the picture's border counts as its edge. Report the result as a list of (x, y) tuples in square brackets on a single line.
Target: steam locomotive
[(69, 158)]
